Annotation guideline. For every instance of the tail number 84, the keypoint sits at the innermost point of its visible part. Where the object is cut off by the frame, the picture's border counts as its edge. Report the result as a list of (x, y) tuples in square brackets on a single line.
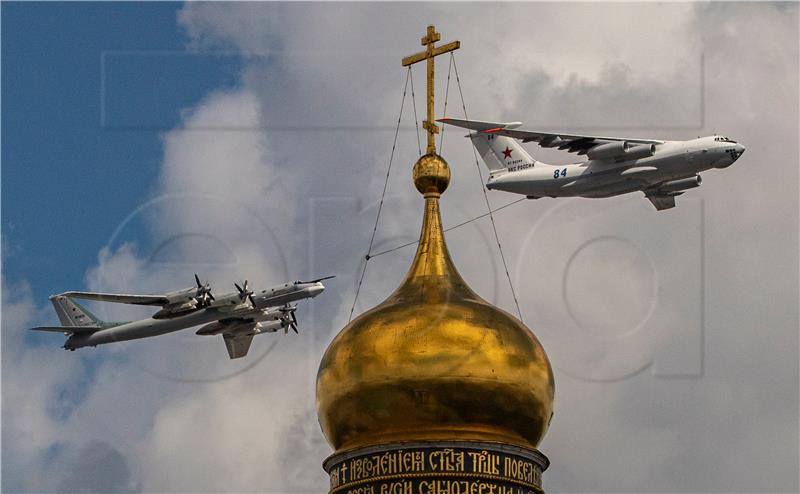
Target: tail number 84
[(562, 172)]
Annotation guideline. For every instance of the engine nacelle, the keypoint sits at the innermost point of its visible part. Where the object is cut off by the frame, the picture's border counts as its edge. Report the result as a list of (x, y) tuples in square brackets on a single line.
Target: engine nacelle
[(232, 299), (608, 150), (175, 309), (268, 327), (268, 315), (682, 184), (640, 151), (180, 297)]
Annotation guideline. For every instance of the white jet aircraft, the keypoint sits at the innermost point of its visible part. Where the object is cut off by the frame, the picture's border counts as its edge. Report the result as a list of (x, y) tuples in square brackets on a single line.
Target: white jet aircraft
[(237, 316), (616, 165)]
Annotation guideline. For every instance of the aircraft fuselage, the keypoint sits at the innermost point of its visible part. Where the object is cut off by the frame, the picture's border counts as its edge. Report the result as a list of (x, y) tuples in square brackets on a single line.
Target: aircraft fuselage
[(672, 160)]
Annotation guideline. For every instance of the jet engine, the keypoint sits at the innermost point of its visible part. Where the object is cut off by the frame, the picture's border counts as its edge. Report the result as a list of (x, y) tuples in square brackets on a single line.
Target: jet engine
[(608, 150), (640, 151), (622, 150), (682, 184)]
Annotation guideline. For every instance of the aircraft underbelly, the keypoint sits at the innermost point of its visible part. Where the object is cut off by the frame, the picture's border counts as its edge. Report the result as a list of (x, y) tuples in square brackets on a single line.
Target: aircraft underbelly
[(598, 180), (588, 186), (146, 328)]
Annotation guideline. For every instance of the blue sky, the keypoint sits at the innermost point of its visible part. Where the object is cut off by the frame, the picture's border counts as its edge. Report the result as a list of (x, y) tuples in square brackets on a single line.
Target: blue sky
[(67, 180)]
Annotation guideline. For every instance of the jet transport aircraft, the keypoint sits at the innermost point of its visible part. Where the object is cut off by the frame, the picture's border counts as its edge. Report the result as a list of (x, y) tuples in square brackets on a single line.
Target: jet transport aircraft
[(237, 316), (616, 165)]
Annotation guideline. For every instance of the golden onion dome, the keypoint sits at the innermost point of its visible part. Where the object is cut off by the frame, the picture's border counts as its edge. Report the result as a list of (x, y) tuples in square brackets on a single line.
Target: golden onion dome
[(434, 361)]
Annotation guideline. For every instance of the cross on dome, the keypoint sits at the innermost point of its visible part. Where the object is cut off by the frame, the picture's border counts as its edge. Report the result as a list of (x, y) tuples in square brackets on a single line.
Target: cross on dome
[(428, 55)]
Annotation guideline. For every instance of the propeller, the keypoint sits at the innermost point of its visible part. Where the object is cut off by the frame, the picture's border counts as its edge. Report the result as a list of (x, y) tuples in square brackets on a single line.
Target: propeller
[(289, 309), (319, 279), (245, 292), (204, 296)]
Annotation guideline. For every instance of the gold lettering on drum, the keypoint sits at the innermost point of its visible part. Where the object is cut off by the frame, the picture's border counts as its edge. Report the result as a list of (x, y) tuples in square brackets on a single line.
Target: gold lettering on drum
[(444, 470), (402, 487), (446, 460), (485, 462)]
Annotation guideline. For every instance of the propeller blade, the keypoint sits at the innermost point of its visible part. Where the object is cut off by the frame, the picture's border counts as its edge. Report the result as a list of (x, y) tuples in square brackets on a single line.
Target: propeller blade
[(238, 288), (211, 296), (294, 318), (197, 279), (294, 327), (252, 301)]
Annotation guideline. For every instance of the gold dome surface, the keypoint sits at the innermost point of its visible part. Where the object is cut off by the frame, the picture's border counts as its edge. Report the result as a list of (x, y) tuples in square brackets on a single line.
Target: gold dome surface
[(434, 361)]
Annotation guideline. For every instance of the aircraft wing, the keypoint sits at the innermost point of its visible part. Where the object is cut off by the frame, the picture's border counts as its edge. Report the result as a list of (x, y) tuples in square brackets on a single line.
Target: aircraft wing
[(121, 298), (237, 346), (68, 329), (573, 143)]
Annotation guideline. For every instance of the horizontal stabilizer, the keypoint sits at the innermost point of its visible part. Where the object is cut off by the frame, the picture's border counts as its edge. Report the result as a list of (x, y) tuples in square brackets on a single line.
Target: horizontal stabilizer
[(479, 125), (68, 329)]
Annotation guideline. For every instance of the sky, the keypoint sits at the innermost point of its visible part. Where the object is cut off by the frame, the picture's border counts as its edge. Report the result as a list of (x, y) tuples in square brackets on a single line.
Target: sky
[(142, 143)]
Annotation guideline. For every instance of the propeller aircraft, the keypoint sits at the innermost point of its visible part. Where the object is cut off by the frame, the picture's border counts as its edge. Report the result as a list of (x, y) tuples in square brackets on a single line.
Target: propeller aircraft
[(237, 316)]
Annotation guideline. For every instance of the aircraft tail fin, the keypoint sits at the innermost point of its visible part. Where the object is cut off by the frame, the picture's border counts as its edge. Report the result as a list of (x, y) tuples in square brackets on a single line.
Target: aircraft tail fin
[(72, 314), (501, 152)]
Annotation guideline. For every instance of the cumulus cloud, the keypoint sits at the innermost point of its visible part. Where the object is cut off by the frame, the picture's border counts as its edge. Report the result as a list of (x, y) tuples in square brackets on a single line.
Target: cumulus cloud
[(282, 175), (41, 394)]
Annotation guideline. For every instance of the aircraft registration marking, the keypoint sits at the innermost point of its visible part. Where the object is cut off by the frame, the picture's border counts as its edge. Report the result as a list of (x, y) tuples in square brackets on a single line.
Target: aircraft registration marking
[(524, 166)]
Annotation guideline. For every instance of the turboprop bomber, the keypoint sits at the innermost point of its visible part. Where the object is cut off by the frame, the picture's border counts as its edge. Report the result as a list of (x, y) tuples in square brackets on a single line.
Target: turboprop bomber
[(660, 169), (237, 316)]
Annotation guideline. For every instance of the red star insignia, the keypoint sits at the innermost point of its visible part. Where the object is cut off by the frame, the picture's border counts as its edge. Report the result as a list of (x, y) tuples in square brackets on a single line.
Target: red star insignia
[(507, 153)]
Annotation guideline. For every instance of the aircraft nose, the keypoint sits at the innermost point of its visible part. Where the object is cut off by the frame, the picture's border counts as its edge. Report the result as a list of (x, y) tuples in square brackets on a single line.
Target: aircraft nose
[(316, 289), (739, 149)]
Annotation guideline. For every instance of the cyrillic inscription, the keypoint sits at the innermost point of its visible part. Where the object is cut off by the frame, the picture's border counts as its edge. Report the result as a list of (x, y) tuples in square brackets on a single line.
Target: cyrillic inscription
[(436, 470)]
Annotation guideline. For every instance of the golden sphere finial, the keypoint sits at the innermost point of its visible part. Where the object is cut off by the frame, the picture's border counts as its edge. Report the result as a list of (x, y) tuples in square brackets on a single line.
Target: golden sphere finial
[(431, 174)]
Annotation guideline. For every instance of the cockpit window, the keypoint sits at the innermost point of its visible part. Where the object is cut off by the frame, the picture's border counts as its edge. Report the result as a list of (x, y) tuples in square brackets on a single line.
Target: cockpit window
[(724, 139)]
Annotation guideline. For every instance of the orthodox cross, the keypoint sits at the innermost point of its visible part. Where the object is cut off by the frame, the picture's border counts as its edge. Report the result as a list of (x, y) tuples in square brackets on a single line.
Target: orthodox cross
[(428, 55)]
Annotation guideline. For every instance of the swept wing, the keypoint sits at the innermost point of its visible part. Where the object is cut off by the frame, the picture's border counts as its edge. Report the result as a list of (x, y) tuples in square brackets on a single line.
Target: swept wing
[(68, 329), (573, 143), (121, 298)]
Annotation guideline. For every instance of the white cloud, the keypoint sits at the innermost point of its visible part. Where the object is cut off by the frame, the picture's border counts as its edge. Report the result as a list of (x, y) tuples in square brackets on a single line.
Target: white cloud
[(282, 175)]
